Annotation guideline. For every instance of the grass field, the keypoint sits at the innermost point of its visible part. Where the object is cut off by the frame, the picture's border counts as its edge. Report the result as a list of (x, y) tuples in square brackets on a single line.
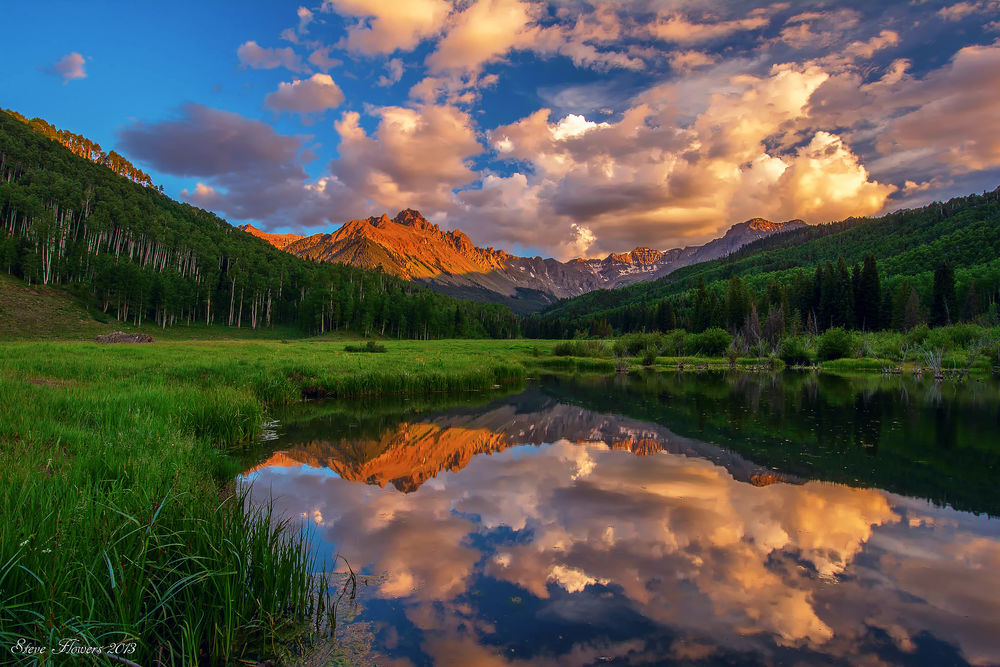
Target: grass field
[(119, 523)]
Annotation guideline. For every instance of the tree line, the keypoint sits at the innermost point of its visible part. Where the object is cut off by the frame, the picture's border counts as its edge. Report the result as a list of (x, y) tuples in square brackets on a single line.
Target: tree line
[(87, 149), (66, 219), (937, 265)]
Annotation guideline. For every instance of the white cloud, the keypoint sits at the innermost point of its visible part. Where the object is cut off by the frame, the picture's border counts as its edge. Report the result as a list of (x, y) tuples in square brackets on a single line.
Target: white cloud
[(320, 58), (394, 72), (251, 54), (685, 61), (961, 10), (652, 178), (317, 93), (415, 157), (675, 27), (69, 67), (305, 18), (386, 26), (483, 32)]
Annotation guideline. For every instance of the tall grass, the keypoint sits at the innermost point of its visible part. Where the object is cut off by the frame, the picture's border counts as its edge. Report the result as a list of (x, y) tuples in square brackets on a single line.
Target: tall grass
[(120, 522)]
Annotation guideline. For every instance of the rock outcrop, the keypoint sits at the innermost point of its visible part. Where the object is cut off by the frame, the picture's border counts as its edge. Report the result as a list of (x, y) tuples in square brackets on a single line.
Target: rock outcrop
[(122, 337), (413, 248)]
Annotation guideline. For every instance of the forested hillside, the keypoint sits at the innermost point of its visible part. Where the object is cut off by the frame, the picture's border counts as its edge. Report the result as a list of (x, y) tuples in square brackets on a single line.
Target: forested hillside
[(937, 264), (85, 148), (140, 256)]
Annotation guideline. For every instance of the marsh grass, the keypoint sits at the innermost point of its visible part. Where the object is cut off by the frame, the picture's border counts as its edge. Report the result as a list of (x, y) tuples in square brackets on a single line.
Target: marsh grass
[(120, 520)]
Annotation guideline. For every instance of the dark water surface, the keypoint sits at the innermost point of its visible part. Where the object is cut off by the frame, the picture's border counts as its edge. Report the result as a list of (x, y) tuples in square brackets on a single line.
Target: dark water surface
[(661, 519)]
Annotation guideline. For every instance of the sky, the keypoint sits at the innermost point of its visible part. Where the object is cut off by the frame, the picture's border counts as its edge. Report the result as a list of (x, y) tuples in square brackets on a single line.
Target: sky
[(562, 128)]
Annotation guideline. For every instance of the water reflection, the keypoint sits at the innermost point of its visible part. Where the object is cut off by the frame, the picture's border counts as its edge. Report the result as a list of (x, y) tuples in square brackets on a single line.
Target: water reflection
[(538, 530)]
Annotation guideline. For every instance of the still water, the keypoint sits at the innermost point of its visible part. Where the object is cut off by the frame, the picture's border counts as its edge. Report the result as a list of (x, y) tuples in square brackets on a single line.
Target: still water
[(660, 519)]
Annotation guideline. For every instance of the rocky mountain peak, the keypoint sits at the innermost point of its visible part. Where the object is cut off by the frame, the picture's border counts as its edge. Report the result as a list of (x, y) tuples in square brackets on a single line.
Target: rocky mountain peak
[(411, 247), (412, 218), (762, 225), (643, 255)]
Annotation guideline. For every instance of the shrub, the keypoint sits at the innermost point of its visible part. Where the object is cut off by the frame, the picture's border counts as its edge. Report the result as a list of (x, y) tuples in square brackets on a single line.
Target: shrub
[(370, 346), (673, 342), (649, 356), (956, 335), (795, 351), (917, 334), (633, 344), (835, 343), (581, 348), (710, 342)]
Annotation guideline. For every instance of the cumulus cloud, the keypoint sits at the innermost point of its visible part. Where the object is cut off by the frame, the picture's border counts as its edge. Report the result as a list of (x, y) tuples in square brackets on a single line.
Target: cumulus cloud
[(416, 157), (385, 26), (69, 67), (687, 60), (320, 59), (771, 109), (957, 106), (653, 179), (317, 93), (244, 168), (305, 18), (394, 72), (251, 54), (485, 31)]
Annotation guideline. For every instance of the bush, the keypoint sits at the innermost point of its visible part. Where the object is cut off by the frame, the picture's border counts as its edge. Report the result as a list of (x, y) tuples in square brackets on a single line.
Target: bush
[(710, 342), (649, 356), (673, 342), (795, 351), (370, 346), (835, 343), (917, 334), (956, 335), (633, 344), (581, 348)]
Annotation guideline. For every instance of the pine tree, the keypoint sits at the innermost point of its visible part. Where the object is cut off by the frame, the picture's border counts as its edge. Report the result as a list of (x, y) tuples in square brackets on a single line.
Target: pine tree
[(971, 308), (868, 296), (944, 308), (701, 318), (666, 319), (912, 315), (844, 301), (737, 305)]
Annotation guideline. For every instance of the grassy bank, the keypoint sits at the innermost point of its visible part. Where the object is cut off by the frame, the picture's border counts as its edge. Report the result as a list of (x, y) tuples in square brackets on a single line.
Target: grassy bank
[(953, 351), (119, 522)]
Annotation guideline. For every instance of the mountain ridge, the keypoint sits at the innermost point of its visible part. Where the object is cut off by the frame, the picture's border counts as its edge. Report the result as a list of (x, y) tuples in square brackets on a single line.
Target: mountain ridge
[(411, 247)]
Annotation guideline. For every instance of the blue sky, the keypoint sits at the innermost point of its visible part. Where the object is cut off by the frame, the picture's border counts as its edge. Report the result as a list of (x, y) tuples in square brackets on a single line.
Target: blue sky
[(563, 128)]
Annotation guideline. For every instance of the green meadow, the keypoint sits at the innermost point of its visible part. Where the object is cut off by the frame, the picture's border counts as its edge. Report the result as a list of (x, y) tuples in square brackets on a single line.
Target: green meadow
[(117, 460), (121, 522)]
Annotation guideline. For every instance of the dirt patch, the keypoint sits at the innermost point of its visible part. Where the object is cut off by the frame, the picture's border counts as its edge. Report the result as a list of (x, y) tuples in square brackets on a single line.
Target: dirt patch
[(122, 337)]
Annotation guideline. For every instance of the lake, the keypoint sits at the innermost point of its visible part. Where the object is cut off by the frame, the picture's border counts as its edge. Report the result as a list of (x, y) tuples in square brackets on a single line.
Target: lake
[(693, 518)]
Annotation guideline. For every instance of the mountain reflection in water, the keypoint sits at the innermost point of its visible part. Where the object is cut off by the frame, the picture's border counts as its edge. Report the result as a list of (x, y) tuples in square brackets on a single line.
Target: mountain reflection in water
[(534, 531)]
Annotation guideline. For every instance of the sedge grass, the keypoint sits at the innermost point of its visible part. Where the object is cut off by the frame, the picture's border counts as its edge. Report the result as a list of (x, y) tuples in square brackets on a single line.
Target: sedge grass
[(118, 525)]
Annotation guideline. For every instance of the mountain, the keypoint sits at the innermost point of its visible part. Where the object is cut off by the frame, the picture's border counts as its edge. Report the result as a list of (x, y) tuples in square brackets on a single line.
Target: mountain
[(279, 241), (410, 247), (137, 256), (792, 270)]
